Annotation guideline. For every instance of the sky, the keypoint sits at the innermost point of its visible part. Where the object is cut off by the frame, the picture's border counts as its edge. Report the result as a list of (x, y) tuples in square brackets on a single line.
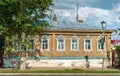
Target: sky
[(93, 12)]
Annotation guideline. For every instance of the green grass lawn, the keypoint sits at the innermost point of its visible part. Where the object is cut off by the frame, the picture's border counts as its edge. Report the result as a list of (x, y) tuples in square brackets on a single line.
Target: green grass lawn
[(58, 71)]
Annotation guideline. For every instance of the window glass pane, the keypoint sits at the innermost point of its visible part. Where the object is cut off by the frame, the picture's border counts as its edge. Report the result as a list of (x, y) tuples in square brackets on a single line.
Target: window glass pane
[(60, 41), (31, 46), (60, 44), (87, 41), (74, 44), (87, 44), (45, 44), (100, 46)]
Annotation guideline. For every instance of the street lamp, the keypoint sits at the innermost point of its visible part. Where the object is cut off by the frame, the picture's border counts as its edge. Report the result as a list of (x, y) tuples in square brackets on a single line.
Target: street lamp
[(103, 23)]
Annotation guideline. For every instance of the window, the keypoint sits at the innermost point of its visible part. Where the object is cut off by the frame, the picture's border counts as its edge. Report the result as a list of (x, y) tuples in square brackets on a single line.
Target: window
[(60, 43), (74, 44), (87, 44), (99, 45), (31, 45), (16, 44), (45, 43)]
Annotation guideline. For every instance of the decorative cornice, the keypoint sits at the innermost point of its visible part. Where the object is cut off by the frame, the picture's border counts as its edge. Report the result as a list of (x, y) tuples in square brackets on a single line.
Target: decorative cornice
[(80, 31)]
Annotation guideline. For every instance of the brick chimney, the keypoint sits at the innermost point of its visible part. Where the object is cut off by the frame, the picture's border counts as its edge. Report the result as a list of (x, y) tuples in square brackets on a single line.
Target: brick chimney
[(81, 21), (54, 18)]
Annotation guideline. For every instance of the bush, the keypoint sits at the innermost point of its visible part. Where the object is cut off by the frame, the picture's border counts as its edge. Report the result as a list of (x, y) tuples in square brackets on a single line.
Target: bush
[(117, 47), (118, 56)]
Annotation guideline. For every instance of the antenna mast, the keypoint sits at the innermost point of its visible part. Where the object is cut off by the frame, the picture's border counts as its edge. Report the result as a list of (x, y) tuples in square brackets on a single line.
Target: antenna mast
[(77, 13)]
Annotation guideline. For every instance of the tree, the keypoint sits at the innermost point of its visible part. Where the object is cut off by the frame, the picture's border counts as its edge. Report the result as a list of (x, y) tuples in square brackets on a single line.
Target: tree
[(20, 17)]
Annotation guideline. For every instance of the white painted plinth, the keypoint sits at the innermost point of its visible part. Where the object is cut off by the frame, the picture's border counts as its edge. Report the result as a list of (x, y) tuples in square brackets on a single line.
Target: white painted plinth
[(93, 63)]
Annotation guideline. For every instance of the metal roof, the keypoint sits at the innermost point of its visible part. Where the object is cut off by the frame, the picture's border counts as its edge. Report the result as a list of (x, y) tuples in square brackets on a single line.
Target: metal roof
[(71, 25)]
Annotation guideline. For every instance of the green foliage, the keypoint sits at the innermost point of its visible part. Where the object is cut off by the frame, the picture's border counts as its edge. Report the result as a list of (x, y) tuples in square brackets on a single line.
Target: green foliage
[(19, 16), (60, 71), (117, 47)]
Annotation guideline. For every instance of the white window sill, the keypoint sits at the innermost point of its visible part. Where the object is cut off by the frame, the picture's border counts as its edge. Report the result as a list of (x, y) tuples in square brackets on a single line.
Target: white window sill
[(74, 50), (87, 50), (45, 50), (100, 50), (60, 50)]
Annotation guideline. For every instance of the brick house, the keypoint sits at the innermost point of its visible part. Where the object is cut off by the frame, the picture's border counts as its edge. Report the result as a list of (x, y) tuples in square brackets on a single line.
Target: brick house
[(70, 44)]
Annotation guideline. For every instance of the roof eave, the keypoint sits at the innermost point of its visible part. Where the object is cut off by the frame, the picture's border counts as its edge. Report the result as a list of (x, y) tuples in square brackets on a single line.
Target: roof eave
[(81, 30)]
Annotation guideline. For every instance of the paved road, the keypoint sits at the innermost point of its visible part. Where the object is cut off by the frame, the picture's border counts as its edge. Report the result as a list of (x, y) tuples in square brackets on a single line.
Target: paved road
[(57, 74)]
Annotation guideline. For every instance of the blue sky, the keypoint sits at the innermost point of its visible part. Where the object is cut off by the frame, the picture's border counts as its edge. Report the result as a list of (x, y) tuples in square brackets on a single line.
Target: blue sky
[(91, 11)]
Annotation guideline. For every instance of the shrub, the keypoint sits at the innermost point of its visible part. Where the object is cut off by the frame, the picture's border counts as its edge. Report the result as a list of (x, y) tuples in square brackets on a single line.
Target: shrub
[(117, 47)]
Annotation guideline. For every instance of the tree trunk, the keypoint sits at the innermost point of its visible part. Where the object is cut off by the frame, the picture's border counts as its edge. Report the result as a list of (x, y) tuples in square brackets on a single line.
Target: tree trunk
[(23, 53), (23, 63)]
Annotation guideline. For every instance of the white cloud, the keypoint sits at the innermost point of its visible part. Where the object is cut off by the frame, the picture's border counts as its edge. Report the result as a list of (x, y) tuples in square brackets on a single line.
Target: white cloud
[(66, 10), (88, 12), (116, 7), (66, 14), (84, 13)]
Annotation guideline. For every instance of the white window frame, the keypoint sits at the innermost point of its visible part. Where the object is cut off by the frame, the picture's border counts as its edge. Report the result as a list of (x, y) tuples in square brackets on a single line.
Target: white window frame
[(98, 43), (33, 45), (85, 44), (48, 39), (74, 38), (62, 38)]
